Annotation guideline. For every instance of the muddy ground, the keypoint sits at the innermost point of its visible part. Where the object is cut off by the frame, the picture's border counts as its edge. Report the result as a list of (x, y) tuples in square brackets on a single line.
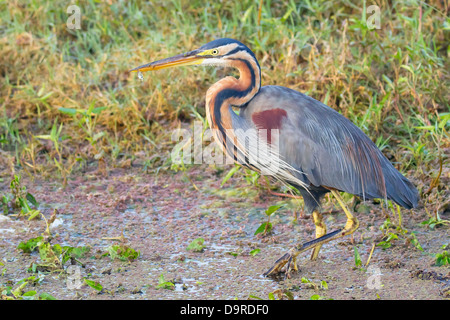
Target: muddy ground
[(160, 216)]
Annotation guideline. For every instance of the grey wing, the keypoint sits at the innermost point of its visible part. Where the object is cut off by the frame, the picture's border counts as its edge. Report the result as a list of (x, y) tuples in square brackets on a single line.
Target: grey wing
[(330, 151)]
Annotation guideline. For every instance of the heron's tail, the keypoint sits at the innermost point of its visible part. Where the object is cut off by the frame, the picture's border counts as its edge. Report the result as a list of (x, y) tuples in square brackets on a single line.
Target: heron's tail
[(398, 188)]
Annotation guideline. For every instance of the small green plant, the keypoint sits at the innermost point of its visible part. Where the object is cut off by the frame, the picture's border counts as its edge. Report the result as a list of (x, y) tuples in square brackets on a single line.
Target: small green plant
[(55, 137), (3, 270), (94, 285), (323, 285), (87, 120), (393, 232), (434, 222), (251, 177), (387, 243), (19, 293), (253, 297), (254, 252), (230, 174), (122, 252), (74, 253), (20, 199), (266, 227), (319, 297), (163, 284), (358, 262), (281, 295), (443, 259), (53, 257), (196, 245), (235, 253)]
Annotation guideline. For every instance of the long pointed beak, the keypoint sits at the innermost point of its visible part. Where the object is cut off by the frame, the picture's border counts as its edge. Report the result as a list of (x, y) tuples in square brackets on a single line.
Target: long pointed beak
[(184, 59)]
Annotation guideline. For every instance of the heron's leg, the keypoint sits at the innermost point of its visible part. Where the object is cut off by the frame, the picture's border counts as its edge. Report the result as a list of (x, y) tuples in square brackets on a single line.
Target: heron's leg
[(321, 230), (289, 258)]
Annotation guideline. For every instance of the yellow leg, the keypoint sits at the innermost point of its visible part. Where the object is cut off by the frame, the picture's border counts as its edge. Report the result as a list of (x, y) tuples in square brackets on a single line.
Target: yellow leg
[(289, 258), (321, 230)]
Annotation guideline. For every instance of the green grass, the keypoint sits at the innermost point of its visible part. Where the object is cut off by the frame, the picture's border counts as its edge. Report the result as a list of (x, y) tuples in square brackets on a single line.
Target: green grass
[(67, 102)]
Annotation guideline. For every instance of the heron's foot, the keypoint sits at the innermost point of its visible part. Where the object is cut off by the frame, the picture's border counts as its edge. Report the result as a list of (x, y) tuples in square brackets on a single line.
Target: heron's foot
[(287, 262)]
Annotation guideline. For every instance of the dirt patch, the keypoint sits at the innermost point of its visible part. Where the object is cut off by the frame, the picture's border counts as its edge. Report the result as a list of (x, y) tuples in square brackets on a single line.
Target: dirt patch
[(161, 216)]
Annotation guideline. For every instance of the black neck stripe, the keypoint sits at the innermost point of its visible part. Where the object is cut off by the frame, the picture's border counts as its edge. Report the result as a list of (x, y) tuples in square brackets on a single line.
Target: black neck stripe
[(226, 94)]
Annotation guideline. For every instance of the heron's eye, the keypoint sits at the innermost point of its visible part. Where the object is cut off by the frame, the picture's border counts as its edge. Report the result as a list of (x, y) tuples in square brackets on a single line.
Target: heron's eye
[(215, 51)]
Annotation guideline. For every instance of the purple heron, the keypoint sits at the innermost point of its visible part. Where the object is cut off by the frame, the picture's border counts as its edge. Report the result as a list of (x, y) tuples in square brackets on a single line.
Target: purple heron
[(307, 145)]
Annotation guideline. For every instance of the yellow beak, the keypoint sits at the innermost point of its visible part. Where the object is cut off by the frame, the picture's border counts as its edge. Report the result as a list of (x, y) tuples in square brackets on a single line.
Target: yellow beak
[(184, 59)]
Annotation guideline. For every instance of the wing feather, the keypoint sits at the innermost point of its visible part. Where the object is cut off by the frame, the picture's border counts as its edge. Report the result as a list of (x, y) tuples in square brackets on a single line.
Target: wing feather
[(328, 150)]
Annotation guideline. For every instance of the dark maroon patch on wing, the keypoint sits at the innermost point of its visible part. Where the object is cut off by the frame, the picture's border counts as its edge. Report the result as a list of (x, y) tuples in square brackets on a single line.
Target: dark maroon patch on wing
[(269, 119)]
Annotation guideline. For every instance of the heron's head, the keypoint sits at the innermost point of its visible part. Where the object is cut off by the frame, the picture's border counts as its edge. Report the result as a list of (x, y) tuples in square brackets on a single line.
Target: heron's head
[(220, 52)]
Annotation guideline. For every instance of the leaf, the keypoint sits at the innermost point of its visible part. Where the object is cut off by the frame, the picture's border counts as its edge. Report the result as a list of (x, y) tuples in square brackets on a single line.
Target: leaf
[(230, 174), (358, 262), (254, 252), (162, 283), (98, 110), (31, 199), (272, 209), (98, 135), (442, 259), (431, 128), (33, 214), (262, 228), (46, 96), (46, 253), (46, 296), (196, 245), (69, 111), (30, 245), (73, 252), (123, 252), (29, 295), (287, 14), (94, 285), (44, 136), (24, 205), (408, 68), (19, 290), (305, 280), (255, 297)]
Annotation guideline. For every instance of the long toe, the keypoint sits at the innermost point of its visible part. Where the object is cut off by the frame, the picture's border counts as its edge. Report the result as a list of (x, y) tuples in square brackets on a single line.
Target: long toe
[(279, 264)]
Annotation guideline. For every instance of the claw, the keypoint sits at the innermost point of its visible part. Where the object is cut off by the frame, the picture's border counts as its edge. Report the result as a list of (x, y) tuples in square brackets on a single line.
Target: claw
[(287, 260)]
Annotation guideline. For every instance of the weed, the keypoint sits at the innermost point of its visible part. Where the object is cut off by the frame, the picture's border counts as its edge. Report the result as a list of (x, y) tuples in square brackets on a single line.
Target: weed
[(19, 293), (281, 295), (393, 232), (318, 297), (323, 285), (163, 284), (435, 222), (358, 262), (442, 259), (266, 227), (19, 198), (94, 285), (196, 245), (122, 252)]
